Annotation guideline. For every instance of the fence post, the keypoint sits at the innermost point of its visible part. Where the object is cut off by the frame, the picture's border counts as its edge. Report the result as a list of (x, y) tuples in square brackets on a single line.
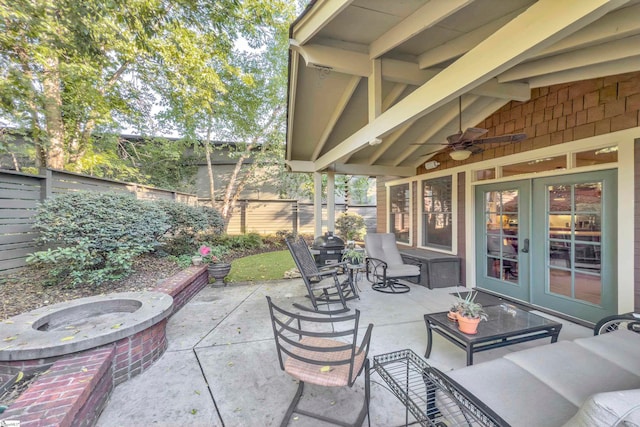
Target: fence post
[(294, 217), (46, 185)]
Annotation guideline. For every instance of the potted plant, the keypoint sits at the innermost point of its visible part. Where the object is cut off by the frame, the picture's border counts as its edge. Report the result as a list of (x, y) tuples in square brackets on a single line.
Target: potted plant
[(217, 268), (457, 306), (353, 256), (470, 313)]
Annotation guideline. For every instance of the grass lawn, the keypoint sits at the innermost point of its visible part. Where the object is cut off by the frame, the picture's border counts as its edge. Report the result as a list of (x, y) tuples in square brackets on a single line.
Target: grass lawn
[(265, 266)]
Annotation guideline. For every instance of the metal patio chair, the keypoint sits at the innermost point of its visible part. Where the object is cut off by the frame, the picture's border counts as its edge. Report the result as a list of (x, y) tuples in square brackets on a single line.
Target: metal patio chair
[(384, 264), (323, 284), (313, 356)]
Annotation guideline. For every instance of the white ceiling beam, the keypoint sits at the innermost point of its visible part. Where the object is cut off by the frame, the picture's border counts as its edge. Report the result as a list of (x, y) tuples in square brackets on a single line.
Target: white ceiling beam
[(300, 166), (626, 65), (367, 170), (427, 16), (546, 21), (395, 93), (340, 60), (388, 142), (293, 82), (359, 64), (618, 24), (461, 45), (374, 90), (316, 18), (611, 51), (335, 116), (511, 91)]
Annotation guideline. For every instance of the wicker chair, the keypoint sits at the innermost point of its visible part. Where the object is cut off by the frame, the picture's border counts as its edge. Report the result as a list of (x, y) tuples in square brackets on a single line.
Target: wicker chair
[(323, 284), (385, 266), (325, 353)]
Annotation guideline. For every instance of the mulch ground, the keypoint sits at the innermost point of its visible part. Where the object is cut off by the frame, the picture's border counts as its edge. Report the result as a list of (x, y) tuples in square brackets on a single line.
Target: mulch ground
[(23, 291)]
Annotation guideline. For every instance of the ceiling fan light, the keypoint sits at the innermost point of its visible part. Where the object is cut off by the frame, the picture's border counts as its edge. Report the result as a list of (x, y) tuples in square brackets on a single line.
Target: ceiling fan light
[(460, 155)]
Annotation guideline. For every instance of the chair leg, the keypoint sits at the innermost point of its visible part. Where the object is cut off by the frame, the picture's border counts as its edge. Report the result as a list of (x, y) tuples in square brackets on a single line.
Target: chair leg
[(391, 286), (292, 405), (364, 412)]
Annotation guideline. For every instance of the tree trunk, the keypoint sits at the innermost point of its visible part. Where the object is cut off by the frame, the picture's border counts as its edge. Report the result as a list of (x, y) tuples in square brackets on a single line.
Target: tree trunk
[(207, 150), (53, 113)]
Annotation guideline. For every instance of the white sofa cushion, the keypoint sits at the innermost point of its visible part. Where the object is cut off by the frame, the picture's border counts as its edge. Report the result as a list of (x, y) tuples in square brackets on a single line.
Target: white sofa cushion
[(621, 347), (514, 394), (573, 371), (616, 408)]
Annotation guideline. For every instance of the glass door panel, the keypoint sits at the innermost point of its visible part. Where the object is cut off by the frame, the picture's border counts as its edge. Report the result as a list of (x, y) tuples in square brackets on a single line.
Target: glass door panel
[(571, 211), (500, 263)]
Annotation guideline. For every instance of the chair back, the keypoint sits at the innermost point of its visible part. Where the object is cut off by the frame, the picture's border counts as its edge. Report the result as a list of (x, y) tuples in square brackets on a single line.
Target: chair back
[(322, 350), (303, 258), (383, 247)]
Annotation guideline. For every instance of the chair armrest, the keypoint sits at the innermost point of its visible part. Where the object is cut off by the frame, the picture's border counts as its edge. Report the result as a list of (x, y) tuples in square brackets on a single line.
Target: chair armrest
[(376, 262), (364, 344)]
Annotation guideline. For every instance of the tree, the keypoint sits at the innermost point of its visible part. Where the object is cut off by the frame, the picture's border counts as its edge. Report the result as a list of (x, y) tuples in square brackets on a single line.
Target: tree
[(247, 104), (70, 68)]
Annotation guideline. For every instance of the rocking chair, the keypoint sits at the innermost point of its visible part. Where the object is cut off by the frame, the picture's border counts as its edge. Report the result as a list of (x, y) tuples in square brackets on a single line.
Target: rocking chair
[(323, 284)]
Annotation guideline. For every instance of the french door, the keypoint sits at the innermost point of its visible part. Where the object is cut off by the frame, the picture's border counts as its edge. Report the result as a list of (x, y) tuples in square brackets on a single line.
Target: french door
[(551, 242)]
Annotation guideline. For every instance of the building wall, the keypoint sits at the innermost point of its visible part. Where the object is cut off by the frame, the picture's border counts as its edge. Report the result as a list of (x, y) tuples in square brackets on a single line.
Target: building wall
[(554, 115)]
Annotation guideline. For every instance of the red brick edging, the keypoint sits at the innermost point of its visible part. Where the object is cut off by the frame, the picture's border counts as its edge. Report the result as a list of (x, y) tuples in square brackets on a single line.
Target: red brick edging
[(76, 387)]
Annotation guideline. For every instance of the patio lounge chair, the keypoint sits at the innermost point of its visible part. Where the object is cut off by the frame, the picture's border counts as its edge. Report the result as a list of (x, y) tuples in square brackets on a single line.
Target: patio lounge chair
[(384, 265), (331, 359), (323, 284)]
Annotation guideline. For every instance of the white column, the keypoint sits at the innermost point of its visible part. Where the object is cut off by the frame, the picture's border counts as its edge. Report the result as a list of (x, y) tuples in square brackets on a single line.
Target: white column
[(317, 204), (331, 201)]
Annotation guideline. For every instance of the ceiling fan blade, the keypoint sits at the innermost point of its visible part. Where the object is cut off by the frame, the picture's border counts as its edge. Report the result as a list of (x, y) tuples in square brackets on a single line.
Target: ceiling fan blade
[(455, 138), (502, 138), (428, 143), (471, 134)]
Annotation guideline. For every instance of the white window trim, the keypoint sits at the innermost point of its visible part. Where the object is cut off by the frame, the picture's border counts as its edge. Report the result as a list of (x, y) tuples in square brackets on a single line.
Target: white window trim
[(454, 212), (388, 209)]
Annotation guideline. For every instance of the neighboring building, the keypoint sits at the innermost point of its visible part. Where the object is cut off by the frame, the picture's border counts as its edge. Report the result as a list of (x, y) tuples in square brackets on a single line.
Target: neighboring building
[(550, 219)]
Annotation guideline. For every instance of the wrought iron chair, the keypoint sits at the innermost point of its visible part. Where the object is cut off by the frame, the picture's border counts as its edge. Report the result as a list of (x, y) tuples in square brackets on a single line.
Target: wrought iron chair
[(323, 284), (384, 265), (331, 359)]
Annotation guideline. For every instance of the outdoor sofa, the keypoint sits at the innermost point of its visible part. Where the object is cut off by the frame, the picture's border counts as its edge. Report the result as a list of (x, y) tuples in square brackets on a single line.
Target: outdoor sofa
[(592, 381)]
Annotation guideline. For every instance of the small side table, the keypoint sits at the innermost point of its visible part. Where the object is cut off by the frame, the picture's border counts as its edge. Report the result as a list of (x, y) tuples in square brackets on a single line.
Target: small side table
[(353, 272)]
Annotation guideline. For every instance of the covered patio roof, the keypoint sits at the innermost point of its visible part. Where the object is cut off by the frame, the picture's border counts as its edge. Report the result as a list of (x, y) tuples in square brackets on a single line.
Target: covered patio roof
[(370, 79)]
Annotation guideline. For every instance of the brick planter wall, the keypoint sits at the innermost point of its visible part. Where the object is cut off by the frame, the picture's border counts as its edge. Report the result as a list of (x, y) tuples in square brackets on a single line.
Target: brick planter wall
[(76, 387)]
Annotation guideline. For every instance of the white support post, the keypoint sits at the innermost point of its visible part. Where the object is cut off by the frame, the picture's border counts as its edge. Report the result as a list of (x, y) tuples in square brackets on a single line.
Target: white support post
[(317, 203), (331, 201)]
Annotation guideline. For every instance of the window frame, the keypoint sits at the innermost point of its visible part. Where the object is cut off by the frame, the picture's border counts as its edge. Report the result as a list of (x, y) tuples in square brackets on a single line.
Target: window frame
[(388, 211), (451, 213)]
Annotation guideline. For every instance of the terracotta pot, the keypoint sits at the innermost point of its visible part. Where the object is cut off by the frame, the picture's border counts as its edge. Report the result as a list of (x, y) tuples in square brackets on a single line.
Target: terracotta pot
[(218, 272), (452, 315), (468, 325)]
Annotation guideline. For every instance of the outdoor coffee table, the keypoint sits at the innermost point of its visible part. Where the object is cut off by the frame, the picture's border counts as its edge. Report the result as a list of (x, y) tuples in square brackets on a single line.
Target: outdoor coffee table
[(507, 325)]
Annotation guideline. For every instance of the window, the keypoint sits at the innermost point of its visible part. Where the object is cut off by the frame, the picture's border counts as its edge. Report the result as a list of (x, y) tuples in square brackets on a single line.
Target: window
[(399, 206), (437, 217)]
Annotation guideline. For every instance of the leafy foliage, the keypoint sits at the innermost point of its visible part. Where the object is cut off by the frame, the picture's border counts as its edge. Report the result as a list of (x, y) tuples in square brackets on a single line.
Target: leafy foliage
[(351, 226), (184, 220), (93, 237)]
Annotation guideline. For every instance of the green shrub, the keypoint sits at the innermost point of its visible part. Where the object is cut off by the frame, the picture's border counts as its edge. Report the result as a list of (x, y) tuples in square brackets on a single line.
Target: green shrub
[(94, 237), (350, 226), (184, 220), (214, 219)]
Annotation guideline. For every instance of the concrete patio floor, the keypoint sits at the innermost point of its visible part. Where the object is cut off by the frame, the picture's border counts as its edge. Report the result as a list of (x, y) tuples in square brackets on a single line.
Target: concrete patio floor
[(221, 367)]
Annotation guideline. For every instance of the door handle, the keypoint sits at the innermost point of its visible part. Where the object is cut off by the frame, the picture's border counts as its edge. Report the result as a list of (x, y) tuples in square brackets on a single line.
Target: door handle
[(525, 248)]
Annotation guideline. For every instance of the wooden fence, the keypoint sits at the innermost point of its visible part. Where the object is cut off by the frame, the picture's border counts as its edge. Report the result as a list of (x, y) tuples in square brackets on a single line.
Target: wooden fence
[(21, 193)]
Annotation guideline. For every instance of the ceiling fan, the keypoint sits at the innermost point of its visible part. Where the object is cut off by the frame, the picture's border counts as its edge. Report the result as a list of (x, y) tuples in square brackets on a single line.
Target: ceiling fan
[(463, 144)]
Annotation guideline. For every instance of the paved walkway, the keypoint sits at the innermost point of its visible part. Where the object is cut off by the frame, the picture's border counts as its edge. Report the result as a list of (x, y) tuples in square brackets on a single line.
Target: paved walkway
[(221, 368)]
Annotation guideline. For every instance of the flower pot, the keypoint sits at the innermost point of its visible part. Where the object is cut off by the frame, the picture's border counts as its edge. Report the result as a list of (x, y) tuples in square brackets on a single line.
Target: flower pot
[(196, 260), (468, 325), (218, 272), (452, 315)]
